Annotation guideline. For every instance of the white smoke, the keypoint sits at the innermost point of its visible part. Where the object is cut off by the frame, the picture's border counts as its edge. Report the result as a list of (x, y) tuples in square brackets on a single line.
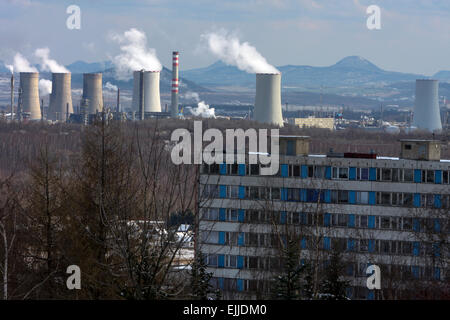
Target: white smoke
[(21, 64), (203, 110), (135, 54), (111, 87), (191, 95), (230, 50), (10, 67), (48, 64), (45, 87)]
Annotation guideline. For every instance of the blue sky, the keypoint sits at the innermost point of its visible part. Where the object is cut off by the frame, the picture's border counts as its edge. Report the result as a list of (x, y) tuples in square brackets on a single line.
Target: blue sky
[(414, 35)]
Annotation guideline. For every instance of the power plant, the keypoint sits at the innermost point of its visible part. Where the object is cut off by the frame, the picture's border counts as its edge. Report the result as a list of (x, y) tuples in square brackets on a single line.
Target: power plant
[(426, 109), (29, 95), (174, 105), (150, 91), (61, 97), (92, 92), (268, 98)]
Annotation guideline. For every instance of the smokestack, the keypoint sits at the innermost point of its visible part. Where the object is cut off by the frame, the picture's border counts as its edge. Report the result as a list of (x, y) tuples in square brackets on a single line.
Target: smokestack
[(268, 98), (426, 110), (61, 96), (118, 100), (174, 106), (12, 95), (152, 101), (92, 90), (29, 84), (141, 95)]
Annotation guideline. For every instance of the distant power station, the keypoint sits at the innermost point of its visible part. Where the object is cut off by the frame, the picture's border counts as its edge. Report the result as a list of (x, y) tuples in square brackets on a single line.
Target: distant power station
[(92, 93), (29, 95), (150, 91), (268, 98), (426, 110), (61, 97)]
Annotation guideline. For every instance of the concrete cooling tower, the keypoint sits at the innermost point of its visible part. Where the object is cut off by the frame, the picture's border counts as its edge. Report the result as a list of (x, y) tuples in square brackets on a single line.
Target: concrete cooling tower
[(29, 85), (61, 96), (152, 101), (268, 98), (426, 110), (93, 92)]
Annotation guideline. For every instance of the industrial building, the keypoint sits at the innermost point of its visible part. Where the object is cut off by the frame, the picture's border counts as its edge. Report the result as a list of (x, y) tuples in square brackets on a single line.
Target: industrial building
[(391, 212), (427, 115), (268, 99), (313, 122)]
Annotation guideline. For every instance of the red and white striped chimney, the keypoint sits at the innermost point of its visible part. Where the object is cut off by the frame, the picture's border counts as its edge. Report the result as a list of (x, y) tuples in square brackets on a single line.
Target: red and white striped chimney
[(174, 107)]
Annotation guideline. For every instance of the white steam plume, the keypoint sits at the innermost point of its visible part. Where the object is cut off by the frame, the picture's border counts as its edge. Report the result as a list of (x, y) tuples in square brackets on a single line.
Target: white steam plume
[(45, 87), (203, 110), (135, 54), (10, 67), (230, 50), (21, 64), (191, 95), (110, 86), (48, 64)]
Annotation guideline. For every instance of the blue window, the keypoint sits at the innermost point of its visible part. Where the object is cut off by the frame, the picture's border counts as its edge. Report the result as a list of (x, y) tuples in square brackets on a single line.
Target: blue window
[(221, 283), (372, 198), (351, 220), (241, 215), (222, 214), (303, 243), (283, 217), (437, 201), (240, 262), (415, 272), (303, 195), (416, 248), (290, 148), (327, 219), (241, 192), (438, 176), (372, 222), (328, 173), (223, 191), (352, 174), (327, 196), (437, 273), (436, 249), (416, 200), (326, 243), (437, 225), (304, 171), (416, 225), (371, 245), (370, 295), (240, 284), (283, 194), (241, 169), (352, 197), (221, 237), (221, 261), (284, 170), (350, 244), (223, 168), (240, 239), (417, 176), (373, 174)]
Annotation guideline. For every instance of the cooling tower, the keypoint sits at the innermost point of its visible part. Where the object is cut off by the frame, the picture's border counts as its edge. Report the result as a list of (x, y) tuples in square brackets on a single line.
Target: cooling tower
[(92, 90), (29, 84), (268, 98), (61, 96), (426, 110), (152, 101), (174, 106)]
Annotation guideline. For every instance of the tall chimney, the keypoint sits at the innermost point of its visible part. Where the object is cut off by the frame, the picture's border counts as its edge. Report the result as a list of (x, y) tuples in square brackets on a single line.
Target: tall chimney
[(118, 101), (152, 101), (174, 106), (29, 84), (92, 90), (268, 99), (141, 95), (61, 96), (12, 95)]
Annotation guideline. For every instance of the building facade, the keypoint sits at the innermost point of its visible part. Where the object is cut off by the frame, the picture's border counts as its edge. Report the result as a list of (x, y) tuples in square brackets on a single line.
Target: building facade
[(391, 212)]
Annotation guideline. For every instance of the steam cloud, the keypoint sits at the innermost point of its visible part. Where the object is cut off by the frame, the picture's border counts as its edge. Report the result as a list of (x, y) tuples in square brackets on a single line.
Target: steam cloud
[(192, 95), (203, 110), (110, 86), (230, 50), (45, 87), (135, 54), (48, 64), (21, 64)]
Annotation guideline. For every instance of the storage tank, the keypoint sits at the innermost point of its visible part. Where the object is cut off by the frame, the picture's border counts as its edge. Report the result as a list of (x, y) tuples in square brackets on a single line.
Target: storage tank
[(426, 109), (61, 96), (29, 85), (268, 98), (152, 101), (93, 92)]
